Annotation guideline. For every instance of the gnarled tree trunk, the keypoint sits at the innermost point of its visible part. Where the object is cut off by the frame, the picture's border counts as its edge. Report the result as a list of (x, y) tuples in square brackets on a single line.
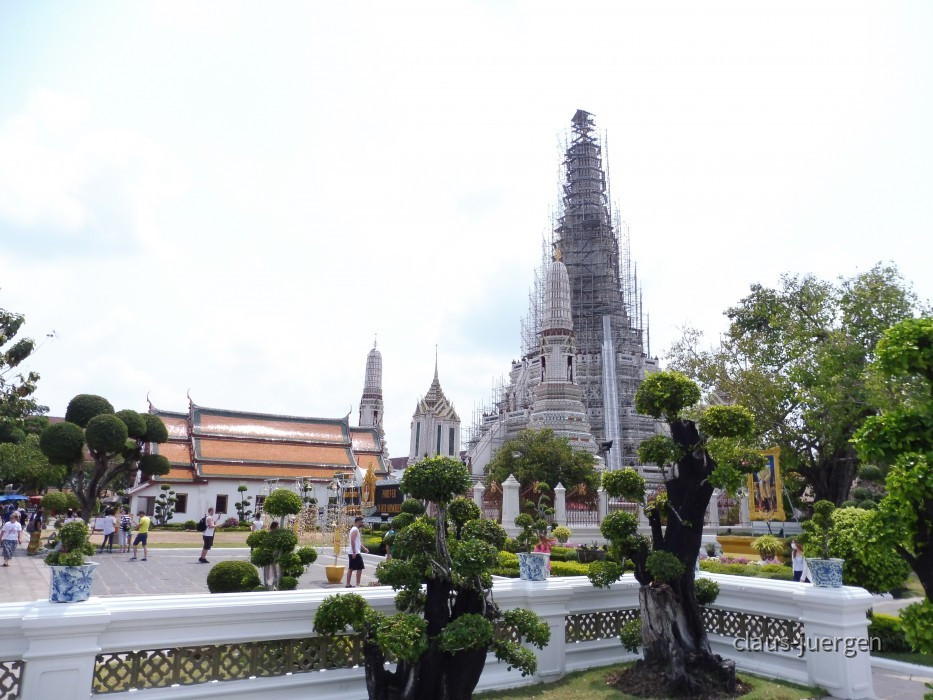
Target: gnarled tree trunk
[(673, 636), (436, 675)]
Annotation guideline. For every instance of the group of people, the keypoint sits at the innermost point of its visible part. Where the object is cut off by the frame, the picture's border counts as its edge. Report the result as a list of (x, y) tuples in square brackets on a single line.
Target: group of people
[(15, 521)]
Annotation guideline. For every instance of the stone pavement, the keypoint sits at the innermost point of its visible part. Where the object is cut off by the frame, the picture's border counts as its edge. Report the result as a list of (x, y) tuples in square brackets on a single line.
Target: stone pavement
[(177, 571), (167, 572)]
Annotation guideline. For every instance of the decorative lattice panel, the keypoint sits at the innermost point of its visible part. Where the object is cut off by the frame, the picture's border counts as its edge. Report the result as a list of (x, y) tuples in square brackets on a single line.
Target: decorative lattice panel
[(10, 674), (161, 668), (730, 623), (586, 627)]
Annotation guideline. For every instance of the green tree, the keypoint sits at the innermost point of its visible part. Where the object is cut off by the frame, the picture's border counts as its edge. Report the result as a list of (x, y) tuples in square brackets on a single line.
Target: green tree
[(535, 456), (444, 627), (165, 504), (901, 438), (24, 465), (19, 412), (116, 443), (795, 356), (716, 451)]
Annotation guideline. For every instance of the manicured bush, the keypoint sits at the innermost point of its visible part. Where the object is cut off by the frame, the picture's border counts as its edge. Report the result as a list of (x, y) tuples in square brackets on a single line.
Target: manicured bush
[(707, 591), (561, 533), (889, 632), (230, 522), (563, 554), (569, 568), (232, 577), (190, 525)]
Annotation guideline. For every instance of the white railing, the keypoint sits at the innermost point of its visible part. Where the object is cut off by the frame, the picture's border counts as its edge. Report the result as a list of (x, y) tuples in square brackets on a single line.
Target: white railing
[(66, 650)]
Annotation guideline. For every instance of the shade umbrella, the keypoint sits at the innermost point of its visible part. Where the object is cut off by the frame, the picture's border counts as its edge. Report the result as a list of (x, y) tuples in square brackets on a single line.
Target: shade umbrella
[(13, 497)]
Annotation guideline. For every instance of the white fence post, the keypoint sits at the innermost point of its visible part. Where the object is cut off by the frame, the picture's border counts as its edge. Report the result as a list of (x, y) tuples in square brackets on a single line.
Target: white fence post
[(744, 516), (560, 504), (835, 624), (510, 509), (714, 509), (63, 643), (602, 504), (478, 490)]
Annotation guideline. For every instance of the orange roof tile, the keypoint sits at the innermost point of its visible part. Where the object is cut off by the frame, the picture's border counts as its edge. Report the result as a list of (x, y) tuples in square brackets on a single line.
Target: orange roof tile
[(178, 474), (364, 440), (177, 426), (270, 452), (174, 452), (207, 422), (366, 460), (266, 471)]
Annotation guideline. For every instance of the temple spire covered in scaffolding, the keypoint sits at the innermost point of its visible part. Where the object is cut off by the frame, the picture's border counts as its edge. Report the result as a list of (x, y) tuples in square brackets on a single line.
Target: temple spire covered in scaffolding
[(606, 309)]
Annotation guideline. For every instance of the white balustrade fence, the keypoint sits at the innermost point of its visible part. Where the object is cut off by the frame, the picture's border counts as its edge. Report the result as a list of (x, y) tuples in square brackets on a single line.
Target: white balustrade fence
[(261, 644)]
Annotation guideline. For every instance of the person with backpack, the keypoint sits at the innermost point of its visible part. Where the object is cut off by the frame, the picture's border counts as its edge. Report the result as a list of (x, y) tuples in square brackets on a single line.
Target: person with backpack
[(206, 527), (126, 528)]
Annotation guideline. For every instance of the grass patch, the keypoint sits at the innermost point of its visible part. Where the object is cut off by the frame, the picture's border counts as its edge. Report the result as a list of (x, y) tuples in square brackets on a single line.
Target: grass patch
[(907, 657), (591, 685)]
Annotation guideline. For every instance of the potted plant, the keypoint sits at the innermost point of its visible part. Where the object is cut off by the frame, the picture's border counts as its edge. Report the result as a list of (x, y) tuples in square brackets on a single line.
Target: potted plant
[(532, 566), (767, 547), (72, 574), (586, 554), (826, 571)]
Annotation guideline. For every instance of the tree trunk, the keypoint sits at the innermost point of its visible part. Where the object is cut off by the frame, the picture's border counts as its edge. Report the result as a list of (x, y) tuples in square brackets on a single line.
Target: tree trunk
[(436, 675), (675, 651)]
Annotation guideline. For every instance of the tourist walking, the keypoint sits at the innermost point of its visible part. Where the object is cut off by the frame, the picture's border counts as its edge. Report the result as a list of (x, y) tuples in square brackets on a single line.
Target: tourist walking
[(355, 554), (12, 531), (207, 535), (798, 562), (142, 536), (126, 528), (110, 528), (34, 528)]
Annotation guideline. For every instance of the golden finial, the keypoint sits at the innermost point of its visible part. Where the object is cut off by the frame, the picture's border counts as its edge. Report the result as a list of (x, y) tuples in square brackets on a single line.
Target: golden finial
[(558, 254)]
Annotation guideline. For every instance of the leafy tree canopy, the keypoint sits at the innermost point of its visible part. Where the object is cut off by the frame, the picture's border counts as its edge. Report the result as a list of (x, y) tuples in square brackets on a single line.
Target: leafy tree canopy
[(901, 438), (24, 465), (540, 456), (116, 448), (796, 356), (19, 412)]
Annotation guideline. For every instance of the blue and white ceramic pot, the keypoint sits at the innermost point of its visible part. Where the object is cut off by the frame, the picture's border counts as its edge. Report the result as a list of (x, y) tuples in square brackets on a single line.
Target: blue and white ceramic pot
[(71, 584), (532, 566), (826, 573)]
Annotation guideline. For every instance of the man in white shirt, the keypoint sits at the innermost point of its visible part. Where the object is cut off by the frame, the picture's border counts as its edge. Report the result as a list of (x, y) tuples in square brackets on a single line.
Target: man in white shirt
[(356, 557), (208, 535)]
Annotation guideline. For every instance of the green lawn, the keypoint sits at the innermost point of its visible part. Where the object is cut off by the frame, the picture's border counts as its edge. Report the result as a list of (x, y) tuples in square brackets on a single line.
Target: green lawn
[(591, 685), (908, 658)]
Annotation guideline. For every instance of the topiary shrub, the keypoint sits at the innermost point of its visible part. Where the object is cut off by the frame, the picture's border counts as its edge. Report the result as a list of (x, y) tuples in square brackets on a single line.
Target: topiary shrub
[(232, 577), (190, 525), (282, 502), (561, 533), (889, 632), (444, 588), (707, 591)]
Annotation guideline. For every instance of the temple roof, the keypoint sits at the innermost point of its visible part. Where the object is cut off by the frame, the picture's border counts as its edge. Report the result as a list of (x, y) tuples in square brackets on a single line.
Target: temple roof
[(219, 443), (435, 402)]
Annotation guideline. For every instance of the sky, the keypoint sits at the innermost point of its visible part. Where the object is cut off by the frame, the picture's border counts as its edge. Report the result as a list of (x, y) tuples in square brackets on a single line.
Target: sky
[(231, 200)]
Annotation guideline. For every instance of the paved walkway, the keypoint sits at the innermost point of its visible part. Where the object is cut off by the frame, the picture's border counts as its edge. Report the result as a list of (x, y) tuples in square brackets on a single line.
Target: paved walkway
[(177, 571), (167, 572)]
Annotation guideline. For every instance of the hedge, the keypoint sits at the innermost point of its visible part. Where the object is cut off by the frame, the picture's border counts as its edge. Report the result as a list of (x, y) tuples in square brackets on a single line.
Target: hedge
[(775, 571), (888, 630)]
